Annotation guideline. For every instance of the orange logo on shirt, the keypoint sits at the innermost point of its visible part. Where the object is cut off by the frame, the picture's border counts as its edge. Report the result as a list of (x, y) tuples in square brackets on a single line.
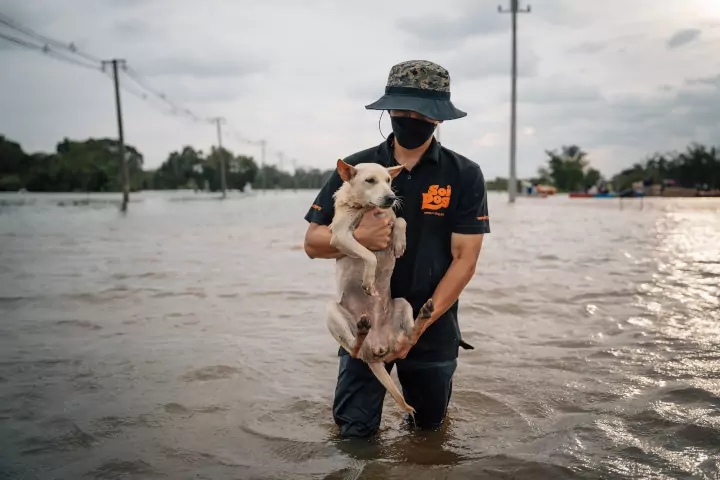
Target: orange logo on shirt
[(436, 198)]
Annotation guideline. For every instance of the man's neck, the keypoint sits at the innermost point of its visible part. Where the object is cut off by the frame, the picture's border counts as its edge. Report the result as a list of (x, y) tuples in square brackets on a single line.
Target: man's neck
[(410, 158)]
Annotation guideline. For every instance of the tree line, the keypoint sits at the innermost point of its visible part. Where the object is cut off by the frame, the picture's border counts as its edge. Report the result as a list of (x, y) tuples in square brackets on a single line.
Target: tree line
[(569, 170), (93, 165)]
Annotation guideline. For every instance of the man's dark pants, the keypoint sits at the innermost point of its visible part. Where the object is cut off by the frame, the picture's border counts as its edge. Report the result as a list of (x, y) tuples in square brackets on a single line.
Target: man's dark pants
[(426, 386)]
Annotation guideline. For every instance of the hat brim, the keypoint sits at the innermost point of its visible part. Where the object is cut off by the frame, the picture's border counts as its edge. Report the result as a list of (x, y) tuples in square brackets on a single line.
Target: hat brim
[(437, 109)]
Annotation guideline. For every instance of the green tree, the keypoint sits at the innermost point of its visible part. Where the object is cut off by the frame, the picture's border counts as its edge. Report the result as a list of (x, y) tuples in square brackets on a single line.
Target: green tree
[(183, 169), (12, 164), (88, 166), (567, 168), (697, 167)]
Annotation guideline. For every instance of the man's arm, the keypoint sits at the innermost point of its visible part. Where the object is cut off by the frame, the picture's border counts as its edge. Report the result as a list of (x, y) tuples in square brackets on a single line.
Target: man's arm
[(319, 217), (465, 253), (317, 242), (470, 225)]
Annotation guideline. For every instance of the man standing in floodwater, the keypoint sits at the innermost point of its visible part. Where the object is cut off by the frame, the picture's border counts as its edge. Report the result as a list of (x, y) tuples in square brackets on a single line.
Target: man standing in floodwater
[(444, 203)]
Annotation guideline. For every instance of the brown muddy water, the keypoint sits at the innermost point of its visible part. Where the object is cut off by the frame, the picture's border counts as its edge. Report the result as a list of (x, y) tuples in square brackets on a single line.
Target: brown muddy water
[(187, 340)]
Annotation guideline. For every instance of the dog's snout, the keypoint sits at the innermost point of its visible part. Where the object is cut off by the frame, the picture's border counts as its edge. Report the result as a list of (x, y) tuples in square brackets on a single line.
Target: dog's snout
[(388, 200)]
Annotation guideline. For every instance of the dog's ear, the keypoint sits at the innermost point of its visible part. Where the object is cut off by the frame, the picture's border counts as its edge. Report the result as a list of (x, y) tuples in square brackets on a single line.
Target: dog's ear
[(395, 171), (347, 172)]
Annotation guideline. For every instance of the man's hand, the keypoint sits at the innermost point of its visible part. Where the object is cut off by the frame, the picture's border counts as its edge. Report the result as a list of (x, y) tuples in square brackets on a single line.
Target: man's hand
[(403, 348), (374, 230)]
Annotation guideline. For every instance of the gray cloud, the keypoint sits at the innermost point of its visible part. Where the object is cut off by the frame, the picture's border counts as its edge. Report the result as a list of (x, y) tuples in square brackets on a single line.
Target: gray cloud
[(229, 60), (683, 37), (554, 91), (204, 67), (488, 62), (589, 47), (366, 92), (443, 31), (711, 81), (687, 115), (130, 27), (125, 3)]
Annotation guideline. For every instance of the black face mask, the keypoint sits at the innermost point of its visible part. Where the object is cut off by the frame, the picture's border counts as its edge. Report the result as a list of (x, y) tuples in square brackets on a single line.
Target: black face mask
[(411, 132)]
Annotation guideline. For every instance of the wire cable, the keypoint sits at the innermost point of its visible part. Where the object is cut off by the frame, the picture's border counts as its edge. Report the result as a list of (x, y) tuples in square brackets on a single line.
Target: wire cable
[(14, 24), (47, 51)]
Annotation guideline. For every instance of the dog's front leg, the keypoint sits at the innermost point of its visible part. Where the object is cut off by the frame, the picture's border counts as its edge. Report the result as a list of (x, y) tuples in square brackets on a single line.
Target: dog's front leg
[(399, 236), (343, 239)]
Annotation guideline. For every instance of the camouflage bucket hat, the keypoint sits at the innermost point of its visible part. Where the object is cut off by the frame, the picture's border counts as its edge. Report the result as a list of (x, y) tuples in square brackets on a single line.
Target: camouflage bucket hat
[(420, 86)]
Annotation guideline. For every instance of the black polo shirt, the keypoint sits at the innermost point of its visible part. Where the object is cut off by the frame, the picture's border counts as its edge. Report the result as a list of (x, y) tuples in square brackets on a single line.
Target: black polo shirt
[(443, 193)]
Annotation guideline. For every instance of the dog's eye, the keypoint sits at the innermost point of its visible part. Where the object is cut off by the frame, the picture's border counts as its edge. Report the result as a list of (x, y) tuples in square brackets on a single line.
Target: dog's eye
[(370, 180)]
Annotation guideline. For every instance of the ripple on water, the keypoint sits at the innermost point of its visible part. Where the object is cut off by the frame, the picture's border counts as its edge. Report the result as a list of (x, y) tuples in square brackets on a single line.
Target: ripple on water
[(214, 372), (179, 409), (299, 420), (57, 435), (111, 426), (117, 468), (595, 355)]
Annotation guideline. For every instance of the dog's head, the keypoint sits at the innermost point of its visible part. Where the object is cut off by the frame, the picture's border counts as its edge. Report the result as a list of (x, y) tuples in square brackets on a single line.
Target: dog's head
[(368, 184)]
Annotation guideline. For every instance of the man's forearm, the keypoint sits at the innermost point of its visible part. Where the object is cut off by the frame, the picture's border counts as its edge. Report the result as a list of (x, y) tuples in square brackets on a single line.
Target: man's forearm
[(451, 286), (317, 243)]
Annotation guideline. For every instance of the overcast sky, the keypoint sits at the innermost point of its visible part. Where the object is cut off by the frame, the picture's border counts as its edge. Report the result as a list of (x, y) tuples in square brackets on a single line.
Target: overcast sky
[(621, 79)]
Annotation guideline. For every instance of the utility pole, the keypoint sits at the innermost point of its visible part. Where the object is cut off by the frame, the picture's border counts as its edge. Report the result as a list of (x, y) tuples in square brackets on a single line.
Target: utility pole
[(294, 164), (223, 186), (514, 10), (281, 162), (437, 133), (121, 138), (263, 144)]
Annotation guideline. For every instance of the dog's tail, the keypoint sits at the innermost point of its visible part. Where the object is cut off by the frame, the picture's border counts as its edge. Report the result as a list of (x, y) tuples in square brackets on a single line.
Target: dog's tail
[(378, 368)]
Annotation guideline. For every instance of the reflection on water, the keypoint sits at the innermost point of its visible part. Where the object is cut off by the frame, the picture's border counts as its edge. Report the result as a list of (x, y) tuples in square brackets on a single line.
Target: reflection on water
[(187, 340)]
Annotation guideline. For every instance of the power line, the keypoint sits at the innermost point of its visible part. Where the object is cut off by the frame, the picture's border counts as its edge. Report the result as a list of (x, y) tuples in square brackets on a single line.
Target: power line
[(134, 75), (62, 52), (138, 79), (47, 51), (14, 24), (141, 96)]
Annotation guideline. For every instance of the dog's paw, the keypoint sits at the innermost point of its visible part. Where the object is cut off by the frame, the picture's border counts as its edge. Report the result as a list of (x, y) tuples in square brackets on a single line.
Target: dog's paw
[(363, 325), (427, 309), (398, 249)]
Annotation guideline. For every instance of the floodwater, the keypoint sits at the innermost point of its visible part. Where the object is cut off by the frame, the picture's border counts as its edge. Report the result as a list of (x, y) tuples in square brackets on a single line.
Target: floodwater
[(187, 340)]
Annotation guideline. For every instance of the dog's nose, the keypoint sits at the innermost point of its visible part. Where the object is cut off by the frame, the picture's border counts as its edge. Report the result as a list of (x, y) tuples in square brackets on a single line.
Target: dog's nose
[(390, 199)]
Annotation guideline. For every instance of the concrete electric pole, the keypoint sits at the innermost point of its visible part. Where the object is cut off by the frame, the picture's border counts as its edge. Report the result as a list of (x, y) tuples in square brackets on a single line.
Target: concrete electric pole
[(223, 186), (512, 182), (124, 171)]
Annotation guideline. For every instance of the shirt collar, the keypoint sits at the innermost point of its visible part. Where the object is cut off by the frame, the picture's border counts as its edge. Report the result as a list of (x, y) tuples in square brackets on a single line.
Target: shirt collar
[(432, 154)]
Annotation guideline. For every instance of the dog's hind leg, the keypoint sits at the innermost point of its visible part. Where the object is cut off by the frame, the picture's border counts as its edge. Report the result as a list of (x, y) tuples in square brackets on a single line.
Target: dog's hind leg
[(423, 317), (349, 334), (402, 314)]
